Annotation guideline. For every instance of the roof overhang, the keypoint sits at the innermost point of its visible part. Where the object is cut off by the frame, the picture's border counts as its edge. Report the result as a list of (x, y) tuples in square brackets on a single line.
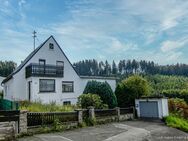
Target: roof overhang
[(98, 77)]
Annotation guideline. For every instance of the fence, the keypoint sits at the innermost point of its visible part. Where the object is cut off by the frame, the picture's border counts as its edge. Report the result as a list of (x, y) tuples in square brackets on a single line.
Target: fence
[(35, 119), (8, 116), (126, 110), (8, 105), (100, 113)]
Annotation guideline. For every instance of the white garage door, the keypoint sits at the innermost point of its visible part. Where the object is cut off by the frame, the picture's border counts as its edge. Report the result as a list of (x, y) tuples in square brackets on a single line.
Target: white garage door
[(149, 109)]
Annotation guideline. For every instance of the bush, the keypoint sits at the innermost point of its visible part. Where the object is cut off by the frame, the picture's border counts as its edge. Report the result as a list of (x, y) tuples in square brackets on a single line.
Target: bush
[(130, 89), (178, 107), (182, 94), (177, 122), (86, 100), (104, 90)]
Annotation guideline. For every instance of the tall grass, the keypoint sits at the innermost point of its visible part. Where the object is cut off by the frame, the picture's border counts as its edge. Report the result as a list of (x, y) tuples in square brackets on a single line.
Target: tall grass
[(177, 122), (40, 107)]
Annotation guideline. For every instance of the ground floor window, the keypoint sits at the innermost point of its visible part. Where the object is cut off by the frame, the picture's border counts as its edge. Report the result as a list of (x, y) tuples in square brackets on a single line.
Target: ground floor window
[(67, 86), (47, 85), (66, 103)]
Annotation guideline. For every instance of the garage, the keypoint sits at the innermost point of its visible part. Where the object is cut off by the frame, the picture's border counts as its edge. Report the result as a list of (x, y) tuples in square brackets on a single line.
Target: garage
[(151, 107)]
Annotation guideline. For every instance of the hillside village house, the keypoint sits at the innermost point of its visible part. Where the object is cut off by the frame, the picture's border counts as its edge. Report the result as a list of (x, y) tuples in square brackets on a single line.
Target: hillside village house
[(47, 75)]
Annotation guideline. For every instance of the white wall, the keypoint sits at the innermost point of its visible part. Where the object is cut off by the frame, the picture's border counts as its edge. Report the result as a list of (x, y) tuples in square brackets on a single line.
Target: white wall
[(162, 106), (1, 79), (58, 96), (165, 107)]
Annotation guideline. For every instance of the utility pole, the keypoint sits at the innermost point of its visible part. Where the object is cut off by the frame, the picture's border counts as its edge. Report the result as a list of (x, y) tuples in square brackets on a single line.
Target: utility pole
[(34, 36)]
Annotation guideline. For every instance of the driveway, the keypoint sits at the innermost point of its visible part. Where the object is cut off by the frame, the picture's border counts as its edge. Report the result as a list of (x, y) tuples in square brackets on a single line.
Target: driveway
[(124, 131)]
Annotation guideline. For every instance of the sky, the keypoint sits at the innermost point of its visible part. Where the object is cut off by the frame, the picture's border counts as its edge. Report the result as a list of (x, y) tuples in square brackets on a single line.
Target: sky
[(153, 30)]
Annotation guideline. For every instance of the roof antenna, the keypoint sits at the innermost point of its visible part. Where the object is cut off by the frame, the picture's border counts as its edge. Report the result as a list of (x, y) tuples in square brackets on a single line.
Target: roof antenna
[(34, 36)]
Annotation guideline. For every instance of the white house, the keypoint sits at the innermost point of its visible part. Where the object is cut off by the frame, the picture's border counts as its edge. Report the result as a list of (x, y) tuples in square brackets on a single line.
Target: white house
[(1, 80), (48, 75)]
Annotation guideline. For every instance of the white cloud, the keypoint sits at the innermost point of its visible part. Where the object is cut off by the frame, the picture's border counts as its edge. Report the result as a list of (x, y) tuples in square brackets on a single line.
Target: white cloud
[(169, 45), (104, 28), (118, 47), (21, 3)]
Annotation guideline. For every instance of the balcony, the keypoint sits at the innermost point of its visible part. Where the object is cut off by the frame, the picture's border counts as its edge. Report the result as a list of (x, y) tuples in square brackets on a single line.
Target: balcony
[(44, 70)]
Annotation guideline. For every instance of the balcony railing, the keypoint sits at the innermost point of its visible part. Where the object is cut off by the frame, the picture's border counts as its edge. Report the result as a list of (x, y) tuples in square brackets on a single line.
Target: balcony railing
[(44, 70)]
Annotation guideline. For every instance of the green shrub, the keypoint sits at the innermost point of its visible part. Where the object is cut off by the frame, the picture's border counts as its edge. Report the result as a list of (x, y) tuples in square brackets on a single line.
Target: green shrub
[(86, 100), (182, 94), (178, 107), (102, 89), (130, 89), (58, 125), (90, 122), (177, 122)]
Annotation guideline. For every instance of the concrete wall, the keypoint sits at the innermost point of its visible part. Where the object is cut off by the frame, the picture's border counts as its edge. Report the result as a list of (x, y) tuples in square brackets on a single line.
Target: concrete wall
[(162, 106), (18, 85), (1, 79)]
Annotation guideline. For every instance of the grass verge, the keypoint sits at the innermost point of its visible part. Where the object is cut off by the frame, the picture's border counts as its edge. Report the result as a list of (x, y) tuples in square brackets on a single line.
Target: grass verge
[(177, 122)]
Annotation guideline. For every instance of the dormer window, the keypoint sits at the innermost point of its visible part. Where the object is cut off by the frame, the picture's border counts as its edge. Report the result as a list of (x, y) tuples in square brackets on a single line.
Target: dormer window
[(51, 46)]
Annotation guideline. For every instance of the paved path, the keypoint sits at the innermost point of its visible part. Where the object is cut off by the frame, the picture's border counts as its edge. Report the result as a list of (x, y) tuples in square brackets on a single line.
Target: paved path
[(124, 131)]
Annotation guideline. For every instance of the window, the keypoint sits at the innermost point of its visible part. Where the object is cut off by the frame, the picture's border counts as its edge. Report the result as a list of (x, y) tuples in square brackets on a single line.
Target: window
[(66, 103), (51, 46), (42, 62), (60, 63), (47, 85), (41, 69), (67, 86)]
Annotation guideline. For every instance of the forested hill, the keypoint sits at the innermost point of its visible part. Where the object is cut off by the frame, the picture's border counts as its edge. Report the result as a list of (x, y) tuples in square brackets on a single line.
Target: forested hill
[(6, 68), (126, 67), (123, 67)]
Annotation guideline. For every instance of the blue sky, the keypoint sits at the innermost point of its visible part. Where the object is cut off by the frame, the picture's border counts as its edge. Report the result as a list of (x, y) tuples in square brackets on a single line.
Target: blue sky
[(154, 30)]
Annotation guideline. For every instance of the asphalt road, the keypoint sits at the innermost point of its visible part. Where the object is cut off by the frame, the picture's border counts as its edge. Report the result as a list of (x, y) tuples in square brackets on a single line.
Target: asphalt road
[(124, 131)]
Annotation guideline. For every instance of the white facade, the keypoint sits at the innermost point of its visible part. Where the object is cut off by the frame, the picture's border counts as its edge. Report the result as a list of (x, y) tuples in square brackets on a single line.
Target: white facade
[(1, 79), (16, 86), (162, 106)]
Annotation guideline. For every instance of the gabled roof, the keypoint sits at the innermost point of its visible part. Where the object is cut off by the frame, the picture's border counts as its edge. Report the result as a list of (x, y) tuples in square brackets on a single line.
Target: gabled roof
[(30, 56), (36, 50)]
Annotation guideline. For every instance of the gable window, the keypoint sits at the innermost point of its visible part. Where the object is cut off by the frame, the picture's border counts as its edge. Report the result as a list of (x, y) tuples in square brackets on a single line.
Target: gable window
[(60, 63), (47, 85), (66, 103), (51, 46), (67, 86), (42, 62)]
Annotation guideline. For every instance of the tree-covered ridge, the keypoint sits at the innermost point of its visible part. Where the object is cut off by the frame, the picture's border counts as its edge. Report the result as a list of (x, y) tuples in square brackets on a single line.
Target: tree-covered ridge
[(161, 83), (6, 68), (126, 67)]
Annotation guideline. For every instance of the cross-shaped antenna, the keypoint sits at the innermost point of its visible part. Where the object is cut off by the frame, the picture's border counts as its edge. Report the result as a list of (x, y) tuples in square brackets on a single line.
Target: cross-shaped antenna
[(34, 36)]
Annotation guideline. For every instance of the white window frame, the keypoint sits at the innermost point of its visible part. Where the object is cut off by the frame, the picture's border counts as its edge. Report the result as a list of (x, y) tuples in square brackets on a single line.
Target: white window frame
[(46, 91), (68, 83)]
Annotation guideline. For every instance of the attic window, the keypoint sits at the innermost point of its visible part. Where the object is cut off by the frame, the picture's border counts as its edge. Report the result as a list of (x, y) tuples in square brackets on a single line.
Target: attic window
[(51, 46)]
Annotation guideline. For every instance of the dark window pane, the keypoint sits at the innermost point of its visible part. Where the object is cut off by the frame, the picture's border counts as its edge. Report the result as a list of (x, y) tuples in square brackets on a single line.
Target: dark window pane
[(47, 85), (67, 86)]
